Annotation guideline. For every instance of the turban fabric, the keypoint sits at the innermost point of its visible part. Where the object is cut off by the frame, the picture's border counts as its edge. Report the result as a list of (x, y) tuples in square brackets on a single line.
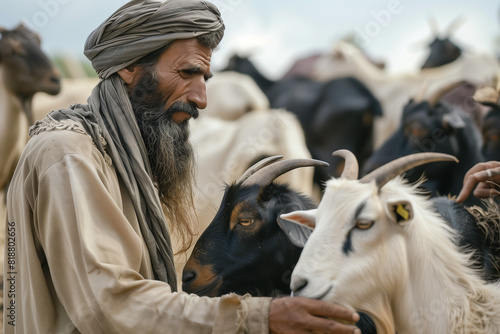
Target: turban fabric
[(143, 26), (133, 31)]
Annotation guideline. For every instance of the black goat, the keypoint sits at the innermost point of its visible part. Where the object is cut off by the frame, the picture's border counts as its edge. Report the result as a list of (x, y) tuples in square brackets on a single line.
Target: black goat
[(434, 126), (246, 249)]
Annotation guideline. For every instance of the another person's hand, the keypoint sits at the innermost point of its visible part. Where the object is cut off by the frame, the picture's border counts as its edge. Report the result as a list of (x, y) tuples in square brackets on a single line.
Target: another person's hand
[(486, 175), (304, 315)]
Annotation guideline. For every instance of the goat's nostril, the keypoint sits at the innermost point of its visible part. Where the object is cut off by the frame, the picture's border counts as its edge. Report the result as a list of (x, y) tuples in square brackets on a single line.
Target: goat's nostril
[(188, 276), (55, 80), (299, 285)]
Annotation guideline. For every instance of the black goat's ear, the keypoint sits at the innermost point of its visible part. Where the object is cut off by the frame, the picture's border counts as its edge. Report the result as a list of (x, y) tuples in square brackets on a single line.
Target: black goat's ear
[(295, 228)]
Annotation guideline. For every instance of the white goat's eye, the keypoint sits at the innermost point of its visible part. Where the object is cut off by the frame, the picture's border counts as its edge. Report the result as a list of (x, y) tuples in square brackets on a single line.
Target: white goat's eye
[(246, 222), (364, 224)]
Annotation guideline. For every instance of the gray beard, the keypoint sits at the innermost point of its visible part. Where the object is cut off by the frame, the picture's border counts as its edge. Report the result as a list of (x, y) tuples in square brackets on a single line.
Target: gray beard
[(169, 151)]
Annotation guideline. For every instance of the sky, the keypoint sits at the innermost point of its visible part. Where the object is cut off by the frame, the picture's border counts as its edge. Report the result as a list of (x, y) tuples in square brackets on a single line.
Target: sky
[(275, 33)]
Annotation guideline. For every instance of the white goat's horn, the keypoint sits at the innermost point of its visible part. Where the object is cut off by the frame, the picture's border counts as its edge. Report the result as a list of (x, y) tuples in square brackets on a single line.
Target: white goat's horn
[(258, 165), (266, 175), (351, 167), (387, 172)]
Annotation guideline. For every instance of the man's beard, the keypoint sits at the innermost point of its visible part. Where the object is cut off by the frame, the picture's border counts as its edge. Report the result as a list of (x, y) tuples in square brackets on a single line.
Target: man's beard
[(169, 151)]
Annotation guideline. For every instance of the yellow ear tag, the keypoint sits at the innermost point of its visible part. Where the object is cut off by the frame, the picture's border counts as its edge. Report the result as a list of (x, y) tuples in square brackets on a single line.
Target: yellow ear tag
[(401, 211)]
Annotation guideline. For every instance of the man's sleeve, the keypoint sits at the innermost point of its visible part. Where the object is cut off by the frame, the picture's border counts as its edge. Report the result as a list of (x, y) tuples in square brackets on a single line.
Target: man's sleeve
[(94, 257)]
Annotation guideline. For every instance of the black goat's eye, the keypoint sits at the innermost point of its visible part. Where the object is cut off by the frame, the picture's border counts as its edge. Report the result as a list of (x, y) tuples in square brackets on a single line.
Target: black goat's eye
[(364, 224), (246, 222)]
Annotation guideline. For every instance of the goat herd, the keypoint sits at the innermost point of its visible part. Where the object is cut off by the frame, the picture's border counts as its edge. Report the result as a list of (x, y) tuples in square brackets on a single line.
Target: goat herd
[(393, 244)]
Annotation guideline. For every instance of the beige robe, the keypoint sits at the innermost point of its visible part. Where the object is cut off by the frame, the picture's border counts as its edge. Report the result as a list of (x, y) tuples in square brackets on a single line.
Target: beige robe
[(75, 260)]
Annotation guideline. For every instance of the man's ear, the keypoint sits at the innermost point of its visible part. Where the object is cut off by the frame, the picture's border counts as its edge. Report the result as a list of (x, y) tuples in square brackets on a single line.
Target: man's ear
[(130, 74)]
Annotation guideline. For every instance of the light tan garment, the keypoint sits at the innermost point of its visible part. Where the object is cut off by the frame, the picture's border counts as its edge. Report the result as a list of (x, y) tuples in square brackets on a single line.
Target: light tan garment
[(76, 262)]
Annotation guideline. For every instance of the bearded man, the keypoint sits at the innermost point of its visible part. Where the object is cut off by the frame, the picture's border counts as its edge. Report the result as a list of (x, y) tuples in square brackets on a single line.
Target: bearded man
[(100, 185)]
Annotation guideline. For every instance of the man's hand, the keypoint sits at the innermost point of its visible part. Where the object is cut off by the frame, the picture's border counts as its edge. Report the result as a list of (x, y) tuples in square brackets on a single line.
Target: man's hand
[(304, 315), (486, 175)]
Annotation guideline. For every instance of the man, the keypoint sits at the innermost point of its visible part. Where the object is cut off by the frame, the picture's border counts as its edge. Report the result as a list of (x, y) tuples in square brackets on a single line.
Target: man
[(88, 247)]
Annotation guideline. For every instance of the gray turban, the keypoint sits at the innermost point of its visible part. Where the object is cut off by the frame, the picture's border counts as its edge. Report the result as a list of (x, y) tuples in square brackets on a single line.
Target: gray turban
[(143, 26)]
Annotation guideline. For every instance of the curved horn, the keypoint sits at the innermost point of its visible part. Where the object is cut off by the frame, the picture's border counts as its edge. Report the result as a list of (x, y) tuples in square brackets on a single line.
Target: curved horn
[(258, 165), (267, 174), (387, 172), (351, 167)]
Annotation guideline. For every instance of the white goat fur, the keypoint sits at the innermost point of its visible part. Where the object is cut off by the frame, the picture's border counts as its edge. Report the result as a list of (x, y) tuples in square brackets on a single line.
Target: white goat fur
[(409, 277)]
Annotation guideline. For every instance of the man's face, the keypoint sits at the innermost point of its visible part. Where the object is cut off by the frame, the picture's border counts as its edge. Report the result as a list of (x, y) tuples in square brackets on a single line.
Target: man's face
[(183, 70), (163, 98)]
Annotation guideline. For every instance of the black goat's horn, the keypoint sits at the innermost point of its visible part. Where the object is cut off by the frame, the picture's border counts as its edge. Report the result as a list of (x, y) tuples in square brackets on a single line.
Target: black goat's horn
[(257, 166), (266, 175), (387, 172), (351, 167)]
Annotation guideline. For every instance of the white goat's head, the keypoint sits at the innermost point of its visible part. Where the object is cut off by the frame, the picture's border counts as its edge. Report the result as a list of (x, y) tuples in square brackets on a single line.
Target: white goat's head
[(358, 226)]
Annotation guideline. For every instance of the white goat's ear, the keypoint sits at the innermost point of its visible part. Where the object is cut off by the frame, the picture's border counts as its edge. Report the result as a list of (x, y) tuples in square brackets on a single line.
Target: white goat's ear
[(297, 232), (400, 212)]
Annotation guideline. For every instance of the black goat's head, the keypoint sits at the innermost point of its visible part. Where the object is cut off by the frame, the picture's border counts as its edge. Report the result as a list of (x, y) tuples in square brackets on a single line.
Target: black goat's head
[(245, 249)]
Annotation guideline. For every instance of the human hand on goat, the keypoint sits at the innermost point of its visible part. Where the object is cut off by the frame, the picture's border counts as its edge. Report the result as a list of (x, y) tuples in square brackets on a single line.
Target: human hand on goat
[(305, 315), (486, 175)]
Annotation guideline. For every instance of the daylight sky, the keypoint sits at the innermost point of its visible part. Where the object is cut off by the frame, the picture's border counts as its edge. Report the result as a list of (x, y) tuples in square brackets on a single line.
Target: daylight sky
[(275, 32)]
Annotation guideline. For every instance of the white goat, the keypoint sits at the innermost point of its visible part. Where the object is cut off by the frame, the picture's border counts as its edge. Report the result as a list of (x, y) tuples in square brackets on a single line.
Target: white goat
[(379, 247)]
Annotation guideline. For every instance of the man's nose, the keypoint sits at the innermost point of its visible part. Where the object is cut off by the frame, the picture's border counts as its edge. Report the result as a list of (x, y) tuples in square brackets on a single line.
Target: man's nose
[(198, 94)]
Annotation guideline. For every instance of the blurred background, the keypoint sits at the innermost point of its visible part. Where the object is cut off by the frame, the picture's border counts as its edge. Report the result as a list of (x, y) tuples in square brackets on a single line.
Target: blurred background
[(275, 33)]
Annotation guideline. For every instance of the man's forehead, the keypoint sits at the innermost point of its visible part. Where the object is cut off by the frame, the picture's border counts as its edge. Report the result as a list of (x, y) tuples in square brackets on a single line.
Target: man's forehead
[(189, 52)]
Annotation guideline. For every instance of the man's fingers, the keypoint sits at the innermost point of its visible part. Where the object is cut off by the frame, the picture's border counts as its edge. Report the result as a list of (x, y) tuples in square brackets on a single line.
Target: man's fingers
[(486, 192), (323, 325), (329, 310), (479, 174)]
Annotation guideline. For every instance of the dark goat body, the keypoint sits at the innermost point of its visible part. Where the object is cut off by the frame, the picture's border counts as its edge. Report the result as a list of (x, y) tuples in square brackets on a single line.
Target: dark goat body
[(440, 128), (335, 114), (474, 235)]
